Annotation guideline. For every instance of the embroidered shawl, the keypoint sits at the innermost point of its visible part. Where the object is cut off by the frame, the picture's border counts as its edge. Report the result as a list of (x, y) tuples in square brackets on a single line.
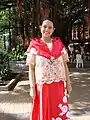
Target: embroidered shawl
[(43, 50)]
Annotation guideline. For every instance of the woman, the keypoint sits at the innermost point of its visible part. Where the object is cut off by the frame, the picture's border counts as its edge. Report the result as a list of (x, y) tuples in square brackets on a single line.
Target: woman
[(48, 75)]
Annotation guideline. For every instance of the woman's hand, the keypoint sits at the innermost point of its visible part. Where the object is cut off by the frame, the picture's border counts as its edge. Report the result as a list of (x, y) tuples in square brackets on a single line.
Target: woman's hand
[(69, 88), (32, 92)]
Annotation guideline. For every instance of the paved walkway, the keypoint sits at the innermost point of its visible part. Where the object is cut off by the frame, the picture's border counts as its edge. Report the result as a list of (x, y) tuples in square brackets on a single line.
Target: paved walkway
[(16, 104), (80, 97)]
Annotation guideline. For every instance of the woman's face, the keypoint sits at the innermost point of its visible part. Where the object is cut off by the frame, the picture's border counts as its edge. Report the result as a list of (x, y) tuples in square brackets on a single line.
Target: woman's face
[(47, 28)]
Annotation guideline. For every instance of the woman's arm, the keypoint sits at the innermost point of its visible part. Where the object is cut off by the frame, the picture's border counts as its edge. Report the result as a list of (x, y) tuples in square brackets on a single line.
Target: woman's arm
[(68, 81), (65, 60), (32, 75), (32, 79)]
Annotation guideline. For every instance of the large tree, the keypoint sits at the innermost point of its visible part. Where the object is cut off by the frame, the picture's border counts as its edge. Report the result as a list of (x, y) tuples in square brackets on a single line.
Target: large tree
[(64, 13)]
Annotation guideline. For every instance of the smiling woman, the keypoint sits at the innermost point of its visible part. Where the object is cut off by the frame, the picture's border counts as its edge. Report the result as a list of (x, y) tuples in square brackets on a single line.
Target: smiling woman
[(48, 75)]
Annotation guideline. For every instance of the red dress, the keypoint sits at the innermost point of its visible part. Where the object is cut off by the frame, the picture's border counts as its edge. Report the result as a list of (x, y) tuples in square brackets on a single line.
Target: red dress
[(50, 102)]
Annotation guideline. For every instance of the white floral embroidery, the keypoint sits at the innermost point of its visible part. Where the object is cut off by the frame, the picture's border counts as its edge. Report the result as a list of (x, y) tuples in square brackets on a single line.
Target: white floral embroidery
[(65, 99), (63, 50), (60, 105), (47, 70), (58, 118), (33, 51), (52, 118), (48, 73), (68, 114), (30, 56), (64, 110)]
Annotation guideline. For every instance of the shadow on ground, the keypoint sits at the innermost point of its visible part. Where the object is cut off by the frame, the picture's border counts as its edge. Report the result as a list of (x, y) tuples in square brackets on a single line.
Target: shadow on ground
[(19, 116), (80, 98), (20, 94)]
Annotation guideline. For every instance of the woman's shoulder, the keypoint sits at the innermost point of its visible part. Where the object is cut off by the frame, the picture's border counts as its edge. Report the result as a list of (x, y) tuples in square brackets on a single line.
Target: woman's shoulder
[(57, 39)]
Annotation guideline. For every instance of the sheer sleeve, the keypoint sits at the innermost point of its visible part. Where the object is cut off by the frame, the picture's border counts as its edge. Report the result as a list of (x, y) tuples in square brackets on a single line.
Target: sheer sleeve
[(31, 57), (64, 53)]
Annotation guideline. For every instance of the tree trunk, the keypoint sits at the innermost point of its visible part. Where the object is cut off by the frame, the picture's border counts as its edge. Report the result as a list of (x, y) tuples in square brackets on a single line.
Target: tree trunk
[(89, 16)]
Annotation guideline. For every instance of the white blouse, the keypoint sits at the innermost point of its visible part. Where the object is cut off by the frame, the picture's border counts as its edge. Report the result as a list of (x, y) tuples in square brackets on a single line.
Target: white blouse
[(47, 70)]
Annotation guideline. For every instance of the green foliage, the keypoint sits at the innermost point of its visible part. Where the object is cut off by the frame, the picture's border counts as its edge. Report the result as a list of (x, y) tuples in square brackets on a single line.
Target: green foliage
[(4, 19), (65, 13), (1, 43), (4, 64), (18, 54)]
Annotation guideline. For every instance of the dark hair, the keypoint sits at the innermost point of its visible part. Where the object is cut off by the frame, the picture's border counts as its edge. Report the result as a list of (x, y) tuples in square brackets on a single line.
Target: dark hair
[(50, 19)]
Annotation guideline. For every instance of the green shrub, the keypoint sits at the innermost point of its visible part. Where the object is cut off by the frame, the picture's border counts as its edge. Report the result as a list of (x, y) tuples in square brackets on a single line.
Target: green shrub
[(4, 64), (18, 54)]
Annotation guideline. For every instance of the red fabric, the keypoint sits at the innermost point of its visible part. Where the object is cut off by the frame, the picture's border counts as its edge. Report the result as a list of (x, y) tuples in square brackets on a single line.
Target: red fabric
[(43, 50), (52, 96)]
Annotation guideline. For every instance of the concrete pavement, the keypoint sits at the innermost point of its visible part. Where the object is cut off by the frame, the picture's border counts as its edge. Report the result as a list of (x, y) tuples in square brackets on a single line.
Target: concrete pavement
[(16, 104), (80, 98)]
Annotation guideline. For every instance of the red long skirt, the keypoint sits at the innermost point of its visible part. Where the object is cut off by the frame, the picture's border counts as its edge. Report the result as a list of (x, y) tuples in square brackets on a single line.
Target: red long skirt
[(50, 102)]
